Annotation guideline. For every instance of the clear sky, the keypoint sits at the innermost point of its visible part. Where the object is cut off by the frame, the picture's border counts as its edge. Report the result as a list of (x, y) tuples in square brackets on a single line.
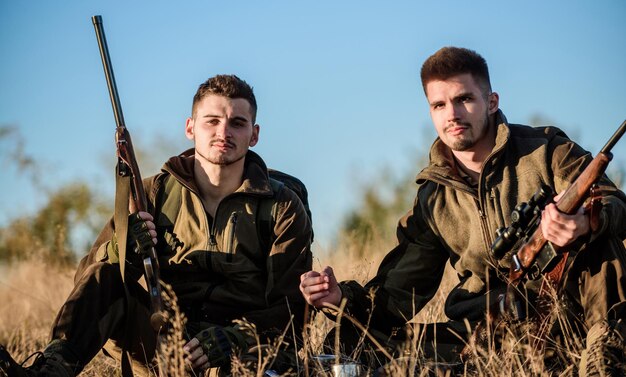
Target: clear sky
[(337, 82)]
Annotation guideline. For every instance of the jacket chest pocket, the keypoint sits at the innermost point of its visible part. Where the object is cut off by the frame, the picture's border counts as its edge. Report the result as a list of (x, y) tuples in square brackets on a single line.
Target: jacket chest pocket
[(500, 210), (238, 244)]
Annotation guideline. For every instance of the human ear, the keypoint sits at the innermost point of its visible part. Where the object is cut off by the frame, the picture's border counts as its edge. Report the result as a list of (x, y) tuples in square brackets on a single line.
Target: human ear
[(256, 129), (189, 128), (493, 102)]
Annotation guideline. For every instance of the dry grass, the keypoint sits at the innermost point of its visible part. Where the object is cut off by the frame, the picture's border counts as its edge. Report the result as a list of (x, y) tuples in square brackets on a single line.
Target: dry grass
[(31, 293)]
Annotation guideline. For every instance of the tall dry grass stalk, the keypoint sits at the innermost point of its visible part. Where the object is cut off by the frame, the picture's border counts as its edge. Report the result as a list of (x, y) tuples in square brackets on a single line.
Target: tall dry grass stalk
[(170, 359)]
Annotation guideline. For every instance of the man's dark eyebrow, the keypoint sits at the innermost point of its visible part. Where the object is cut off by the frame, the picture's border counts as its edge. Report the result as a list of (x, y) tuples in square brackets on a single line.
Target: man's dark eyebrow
[(460, 95), (242, 118), (464, 94), (220, 116)]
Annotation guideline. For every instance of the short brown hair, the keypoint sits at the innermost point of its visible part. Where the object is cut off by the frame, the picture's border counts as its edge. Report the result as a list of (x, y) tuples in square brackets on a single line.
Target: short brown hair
[(452, 61), (229, 86)]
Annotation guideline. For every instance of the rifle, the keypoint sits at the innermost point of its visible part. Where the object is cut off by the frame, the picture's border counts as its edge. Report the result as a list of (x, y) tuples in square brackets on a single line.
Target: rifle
[(536, 255), (128, 174)]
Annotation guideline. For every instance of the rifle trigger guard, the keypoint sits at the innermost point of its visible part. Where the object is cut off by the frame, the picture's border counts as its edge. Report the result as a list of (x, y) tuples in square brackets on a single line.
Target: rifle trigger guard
[(516, 261), (501, 303)]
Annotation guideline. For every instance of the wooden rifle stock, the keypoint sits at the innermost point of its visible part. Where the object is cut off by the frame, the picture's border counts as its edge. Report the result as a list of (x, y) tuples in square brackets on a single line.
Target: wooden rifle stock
[(569, 202), (127, 166)]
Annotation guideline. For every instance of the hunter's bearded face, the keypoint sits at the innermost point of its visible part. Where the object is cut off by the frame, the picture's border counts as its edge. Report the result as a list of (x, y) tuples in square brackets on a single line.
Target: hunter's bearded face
[(460, 109), (222, 129)]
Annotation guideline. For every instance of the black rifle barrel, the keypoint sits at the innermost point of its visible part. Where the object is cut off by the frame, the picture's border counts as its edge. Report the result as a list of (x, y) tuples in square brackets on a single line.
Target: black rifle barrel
[(616, 136), (108, 71)]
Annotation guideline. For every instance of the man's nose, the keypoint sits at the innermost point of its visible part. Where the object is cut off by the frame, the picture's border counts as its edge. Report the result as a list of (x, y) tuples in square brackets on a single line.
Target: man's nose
[(224, 130), (454, 111)]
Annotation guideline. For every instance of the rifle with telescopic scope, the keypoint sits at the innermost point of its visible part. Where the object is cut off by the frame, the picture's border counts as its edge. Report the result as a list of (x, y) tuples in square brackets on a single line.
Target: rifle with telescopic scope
[(536, 257), (533, 257)]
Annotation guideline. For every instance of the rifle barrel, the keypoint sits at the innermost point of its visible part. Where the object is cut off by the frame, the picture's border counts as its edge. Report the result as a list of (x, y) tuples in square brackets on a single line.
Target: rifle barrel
[(108, 71), (613, 140)]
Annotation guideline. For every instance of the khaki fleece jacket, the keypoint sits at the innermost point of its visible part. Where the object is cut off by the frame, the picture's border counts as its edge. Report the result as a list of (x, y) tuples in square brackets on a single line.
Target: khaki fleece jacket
[(218, 267), (454, 221)]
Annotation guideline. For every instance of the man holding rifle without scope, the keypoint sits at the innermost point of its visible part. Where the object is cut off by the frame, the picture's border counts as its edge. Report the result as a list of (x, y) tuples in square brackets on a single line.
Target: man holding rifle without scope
[(481, 167), (207, 205)]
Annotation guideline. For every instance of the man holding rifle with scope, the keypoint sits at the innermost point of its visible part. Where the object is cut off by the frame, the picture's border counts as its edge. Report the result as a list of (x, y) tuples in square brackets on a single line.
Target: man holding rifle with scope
[(481, 167), (207, 208)]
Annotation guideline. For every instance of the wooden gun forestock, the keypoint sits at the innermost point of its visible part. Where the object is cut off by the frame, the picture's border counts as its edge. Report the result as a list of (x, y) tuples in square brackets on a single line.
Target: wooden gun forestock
[(127, 165)]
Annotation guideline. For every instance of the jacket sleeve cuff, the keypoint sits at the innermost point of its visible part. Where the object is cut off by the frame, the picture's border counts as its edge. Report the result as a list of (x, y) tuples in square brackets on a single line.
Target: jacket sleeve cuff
[(351, 294)]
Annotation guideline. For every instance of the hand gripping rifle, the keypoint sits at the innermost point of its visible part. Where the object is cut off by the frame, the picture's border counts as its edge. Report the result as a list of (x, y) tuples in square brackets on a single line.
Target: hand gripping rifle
[(128, 175), (536, 255)]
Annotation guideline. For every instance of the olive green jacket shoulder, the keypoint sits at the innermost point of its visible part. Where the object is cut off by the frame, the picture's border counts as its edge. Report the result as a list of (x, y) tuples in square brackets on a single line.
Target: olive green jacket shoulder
[(454, 221), (219, 266)]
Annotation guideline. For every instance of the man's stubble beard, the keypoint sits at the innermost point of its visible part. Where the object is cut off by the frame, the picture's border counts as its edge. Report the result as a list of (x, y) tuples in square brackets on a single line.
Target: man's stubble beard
[(465, 144), (222, 160)]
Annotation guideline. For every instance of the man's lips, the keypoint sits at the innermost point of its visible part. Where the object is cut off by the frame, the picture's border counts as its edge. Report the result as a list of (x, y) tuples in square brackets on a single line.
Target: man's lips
[(456, 129), (222, 145)]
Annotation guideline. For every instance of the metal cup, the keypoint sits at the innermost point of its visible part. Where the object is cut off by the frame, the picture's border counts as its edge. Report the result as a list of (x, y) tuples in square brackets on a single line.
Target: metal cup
[(346, 370), (324, 360)]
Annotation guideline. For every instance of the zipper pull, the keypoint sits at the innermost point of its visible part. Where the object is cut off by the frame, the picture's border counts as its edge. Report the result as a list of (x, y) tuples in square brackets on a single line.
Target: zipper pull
[(212, 240), (480, 210), (233, 218), (231, 234)]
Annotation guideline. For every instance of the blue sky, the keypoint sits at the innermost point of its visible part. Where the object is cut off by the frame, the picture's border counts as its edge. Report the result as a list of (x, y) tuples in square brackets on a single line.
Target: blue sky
[(337, 82)]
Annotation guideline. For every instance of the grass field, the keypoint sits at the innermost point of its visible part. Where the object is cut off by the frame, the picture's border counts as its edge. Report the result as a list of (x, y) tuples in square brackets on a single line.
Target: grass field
[(31, 293)]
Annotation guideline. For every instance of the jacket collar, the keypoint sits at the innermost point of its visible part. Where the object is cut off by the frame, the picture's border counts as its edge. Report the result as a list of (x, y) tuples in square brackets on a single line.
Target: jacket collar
[(255, 177)]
